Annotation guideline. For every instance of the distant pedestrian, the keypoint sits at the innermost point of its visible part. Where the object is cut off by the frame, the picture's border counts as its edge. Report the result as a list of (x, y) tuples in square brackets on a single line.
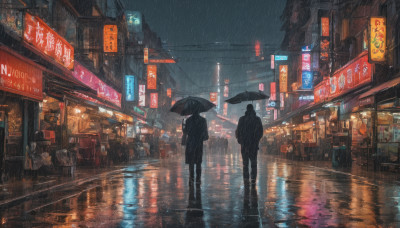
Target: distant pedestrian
[(196, 130), (248, 133)]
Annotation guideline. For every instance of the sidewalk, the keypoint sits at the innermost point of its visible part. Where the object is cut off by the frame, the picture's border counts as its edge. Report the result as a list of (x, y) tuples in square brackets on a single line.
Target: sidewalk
[(355, 170), (19, 190)]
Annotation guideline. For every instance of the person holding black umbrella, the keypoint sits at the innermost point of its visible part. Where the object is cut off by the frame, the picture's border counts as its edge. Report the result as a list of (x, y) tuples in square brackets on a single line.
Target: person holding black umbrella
[(248, 133), (196, 130)]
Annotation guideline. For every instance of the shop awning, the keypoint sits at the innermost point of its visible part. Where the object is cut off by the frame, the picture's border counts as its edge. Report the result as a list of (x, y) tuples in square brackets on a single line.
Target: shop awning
[(303, 109), (382, 87)]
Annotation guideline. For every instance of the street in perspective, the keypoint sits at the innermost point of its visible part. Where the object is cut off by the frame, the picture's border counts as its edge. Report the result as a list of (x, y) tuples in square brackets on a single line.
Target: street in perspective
[(172, 113)]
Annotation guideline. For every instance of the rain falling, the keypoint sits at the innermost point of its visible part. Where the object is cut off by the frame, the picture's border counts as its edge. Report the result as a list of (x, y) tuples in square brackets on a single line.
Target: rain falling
[(187, 113)]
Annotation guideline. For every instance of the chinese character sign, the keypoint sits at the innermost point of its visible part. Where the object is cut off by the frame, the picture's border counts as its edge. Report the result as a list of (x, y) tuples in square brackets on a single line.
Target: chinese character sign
[(272, 62), (169, 92), (261, 86), (306, 62), (104, 91), (325, 26), (226, 91), (129, 87), (19, 77), (324, 50), (213, 97), (272, 90), (377, 40), (352, 75), (225, 109), (146, 55), (151, 77), (282, 100), (306, 80), (283, 78), (142, 95), (47, 41), (257, 48), (153, 100), (110, 38)]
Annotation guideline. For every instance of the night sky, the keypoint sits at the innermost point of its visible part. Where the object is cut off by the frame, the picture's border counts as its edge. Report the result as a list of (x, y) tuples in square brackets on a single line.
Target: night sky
[(201, 23)]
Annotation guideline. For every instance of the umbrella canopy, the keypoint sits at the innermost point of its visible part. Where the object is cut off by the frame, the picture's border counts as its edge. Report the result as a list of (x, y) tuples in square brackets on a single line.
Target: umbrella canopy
[(190, 105), (247, 96)]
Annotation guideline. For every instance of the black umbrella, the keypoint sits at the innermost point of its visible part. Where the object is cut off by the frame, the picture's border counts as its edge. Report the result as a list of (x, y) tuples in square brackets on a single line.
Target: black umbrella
[(247, 96), (189, 105)]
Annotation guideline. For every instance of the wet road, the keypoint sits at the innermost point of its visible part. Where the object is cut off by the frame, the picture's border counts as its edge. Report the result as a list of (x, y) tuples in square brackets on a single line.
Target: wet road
[(287, 194)]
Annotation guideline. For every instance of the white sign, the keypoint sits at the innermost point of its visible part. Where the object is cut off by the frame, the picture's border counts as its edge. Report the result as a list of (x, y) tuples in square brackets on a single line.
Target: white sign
[(142, 95)]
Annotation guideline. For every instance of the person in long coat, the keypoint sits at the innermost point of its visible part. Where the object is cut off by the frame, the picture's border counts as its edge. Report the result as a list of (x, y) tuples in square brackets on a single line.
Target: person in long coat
[(196, 130), (248, 133)]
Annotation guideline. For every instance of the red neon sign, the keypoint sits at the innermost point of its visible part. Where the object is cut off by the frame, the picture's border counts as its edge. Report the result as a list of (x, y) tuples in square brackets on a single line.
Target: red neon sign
[(257, 48), (272, 90), (324, 26), (169, 92), (151, 77), (104, 91), (19, 77), (43, 38), (153, 100), (162, 60)]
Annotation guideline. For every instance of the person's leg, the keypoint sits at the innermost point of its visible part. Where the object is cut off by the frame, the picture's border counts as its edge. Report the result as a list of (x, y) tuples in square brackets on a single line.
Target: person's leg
[(198, 172), (253, 159), (245, 158), (191, 172)]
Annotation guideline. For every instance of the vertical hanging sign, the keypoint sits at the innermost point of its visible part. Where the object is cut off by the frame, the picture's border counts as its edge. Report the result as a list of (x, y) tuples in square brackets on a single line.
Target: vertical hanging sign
[(110, 38), (272, 62), (151, 76), (306, 74), (146, 55), (213, 97), (142, 95), (377, 39), (283, 77), (325, 26), (257, 48), (129, 87), (324, 42), (261, 86), (272, 90), (153, 100), (169, 92)]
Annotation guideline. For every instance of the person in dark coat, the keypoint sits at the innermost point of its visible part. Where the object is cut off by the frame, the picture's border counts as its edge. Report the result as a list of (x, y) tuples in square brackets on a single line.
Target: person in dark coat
[(248, 133), (196, 130)]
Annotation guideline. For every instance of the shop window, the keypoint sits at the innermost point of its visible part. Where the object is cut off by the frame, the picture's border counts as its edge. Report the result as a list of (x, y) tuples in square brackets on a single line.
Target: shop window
[(15, 128), (50, 119)]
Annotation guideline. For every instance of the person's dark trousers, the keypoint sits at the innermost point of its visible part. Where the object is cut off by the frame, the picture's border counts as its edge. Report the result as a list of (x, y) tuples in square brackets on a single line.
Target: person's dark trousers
[(198, 172), (252, 156)]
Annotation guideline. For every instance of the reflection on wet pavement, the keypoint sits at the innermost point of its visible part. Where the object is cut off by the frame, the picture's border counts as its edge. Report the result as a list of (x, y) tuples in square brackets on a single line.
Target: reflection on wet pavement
[(287, 194)]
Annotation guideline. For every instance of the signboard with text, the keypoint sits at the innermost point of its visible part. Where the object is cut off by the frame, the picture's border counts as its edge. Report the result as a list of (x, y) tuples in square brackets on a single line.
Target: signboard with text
[(142, 95), (110, 38), (129, 87), (104, 91), (272, 90), (350, 76), (19, 77), (169, 92), (283, 77), (153, 100), (47, 41), (377, 39), (151, 77), (213, 97)]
